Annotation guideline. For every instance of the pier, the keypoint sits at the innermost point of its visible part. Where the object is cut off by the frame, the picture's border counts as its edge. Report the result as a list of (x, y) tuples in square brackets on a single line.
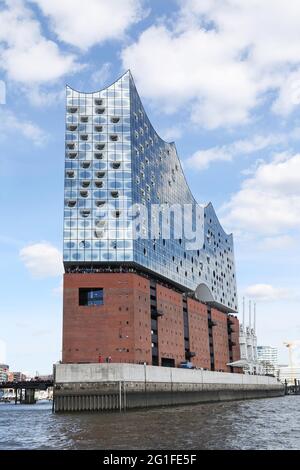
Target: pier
[(292, 389), (25, 390), (119, 387)]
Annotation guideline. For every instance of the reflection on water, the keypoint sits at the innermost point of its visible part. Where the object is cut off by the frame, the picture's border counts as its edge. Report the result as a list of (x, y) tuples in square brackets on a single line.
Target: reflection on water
[(255, 424)]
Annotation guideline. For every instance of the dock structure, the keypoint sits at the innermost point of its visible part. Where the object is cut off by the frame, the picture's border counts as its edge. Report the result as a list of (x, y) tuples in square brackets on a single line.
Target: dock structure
[(119, 387), (292, 389), (25, 389)]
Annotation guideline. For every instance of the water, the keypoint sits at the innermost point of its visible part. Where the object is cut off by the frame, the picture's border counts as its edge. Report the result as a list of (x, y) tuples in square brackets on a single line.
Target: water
[(255, 424)]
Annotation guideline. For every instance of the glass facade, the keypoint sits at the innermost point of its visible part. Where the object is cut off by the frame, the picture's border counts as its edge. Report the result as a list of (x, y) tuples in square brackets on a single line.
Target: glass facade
[(116, 160)]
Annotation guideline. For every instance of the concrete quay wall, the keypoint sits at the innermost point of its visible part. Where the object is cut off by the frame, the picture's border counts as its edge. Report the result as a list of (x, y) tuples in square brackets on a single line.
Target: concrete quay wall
[(100, 387)]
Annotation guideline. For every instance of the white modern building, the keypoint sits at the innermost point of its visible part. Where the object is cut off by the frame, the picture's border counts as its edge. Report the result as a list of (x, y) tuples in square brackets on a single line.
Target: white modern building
[(268, 357)]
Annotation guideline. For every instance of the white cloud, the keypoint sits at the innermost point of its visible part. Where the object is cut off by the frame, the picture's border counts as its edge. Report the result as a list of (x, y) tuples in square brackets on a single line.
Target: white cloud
[(201, 159), (41, 97), (25, 54), (289, 95), (266, 292), (42, 260), (170, 134), (94, 21), (11, 123), (269, 200), (219, 59), (279, 243)]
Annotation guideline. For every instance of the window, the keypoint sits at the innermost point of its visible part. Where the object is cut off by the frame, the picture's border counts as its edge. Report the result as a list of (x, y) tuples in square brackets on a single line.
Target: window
[(90, 296), (72, 155), (99, 146), (100, 203), (99, 110)]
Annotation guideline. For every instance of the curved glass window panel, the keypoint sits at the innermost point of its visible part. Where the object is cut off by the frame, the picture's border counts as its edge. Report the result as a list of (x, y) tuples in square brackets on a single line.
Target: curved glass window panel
[(99, 155), (86, 175), (100, 174), (85, 164), (100, 138), (77, 256), (72, 155), (100, 119), (115, 165), (71, 137), (72, 119), (85, 212), (72, 127), (72, 109), (85, 147), (69, 245), (71, 203), (99, 194), (100, 165), (99, 146), (99, 110)]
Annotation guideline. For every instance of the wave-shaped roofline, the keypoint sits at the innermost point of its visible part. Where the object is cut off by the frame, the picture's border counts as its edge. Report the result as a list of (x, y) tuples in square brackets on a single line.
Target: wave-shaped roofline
[(101, 89), (172, 143)]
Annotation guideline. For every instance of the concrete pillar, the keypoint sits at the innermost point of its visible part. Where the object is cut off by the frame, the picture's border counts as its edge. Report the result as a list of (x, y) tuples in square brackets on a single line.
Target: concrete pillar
[(29, 396)]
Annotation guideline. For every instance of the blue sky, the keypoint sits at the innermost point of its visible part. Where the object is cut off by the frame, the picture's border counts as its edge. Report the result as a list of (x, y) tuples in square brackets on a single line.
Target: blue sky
[(217, 77)]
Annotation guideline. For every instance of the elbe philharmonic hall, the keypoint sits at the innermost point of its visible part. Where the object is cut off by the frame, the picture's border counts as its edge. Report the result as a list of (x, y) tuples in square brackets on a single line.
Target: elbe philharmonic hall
[(149, 272)]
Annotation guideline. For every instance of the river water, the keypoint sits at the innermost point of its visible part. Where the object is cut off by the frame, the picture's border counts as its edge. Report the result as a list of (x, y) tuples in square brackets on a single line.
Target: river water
[(255, 424)]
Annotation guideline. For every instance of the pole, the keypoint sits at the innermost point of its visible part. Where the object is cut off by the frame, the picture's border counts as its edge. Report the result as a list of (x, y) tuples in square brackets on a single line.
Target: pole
[(244, 313), (120, 395), (250, 314), (254, 321)]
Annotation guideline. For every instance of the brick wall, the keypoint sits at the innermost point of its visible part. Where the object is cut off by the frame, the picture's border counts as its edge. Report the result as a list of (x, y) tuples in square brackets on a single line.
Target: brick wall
[(170, 325), (198, 329), (119, 328), (220, 340)]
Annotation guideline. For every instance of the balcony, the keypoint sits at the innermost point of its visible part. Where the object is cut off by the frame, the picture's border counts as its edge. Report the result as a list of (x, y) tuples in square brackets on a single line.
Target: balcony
[(156, 313), (190, 354)]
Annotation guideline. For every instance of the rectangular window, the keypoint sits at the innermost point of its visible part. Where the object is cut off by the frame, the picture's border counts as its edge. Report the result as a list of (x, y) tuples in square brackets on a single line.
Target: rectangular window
[(90, 296)]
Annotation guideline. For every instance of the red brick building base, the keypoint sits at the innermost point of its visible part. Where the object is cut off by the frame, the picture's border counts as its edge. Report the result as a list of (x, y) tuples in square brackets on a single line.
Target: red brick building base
[(143, 321)]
